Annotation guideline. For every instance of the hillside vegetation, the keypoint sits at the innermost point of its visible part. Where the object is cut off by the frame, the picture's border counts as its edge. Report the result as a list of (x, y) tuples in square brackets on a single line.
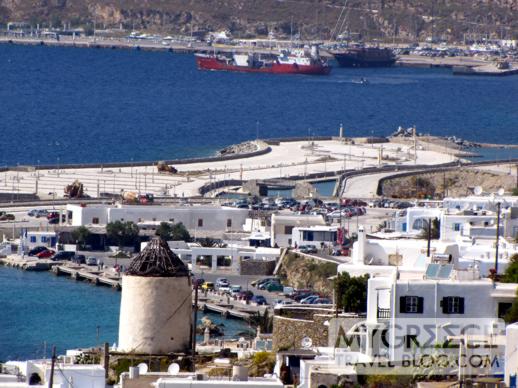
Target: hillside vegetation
[(372, 19)]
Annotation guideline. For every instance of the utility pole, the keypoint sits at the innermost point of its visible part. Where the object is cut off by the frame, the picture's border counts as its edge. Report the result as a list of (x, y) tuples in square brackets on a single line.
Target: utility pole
[(106, 360), (194, 326), (415, 146), (53, 361), (429, 237), (497, 236)]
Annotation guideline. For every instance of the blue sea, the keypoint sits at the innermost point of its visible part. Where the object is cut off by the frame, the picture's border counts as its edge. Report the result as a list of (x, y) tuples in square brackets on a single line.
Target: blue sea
[(40, 309), (65, 105)]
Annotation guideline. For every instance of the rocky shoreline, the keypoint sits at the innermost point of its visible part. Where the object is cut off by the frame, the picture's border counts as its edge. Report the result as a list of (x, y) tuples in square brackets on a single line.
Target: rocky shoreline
[(241, 148)]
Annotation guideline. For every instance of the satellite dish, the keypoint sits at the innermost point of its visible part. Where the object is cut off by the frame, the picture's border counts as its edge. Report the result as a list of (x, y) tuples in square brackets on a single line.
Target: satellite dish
[(142, 368), (173, 369), (306, 342), (501, 191), (477, 190)]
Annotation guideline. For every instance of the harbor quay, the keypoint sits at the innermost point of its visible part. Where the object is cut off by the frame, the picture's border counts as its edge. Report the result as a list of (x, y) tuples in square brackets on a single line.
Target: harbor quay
[(177, 46)]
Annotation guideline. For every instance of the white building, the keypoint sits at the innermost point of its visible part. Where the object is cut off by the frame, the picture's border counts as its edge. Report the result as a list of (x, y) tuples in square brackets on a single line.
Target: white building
[(239, 379), (410, 254), (202, 218), (31, 239), (284, 223), (448, 304), (232, 256), (81, 376), (319, 236), (473, 217), (511, 354)]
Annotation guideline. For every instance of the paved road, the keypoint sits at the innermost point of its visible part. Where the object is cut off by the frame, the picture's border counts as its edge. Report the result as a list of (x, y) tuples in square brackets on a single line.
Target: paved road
[(364, 186)]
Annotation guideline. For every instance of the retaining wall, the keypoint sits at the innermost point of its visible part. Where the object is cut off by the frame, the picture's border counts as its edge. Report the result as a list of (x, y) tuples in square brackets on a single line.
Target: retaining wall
[(257, 267)]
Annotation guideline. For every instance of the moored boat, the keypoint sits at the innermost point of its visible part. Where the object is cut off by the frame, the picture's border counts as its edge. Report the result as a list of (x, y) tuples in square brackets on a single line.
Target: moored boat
[(297, 61), (364, 57)]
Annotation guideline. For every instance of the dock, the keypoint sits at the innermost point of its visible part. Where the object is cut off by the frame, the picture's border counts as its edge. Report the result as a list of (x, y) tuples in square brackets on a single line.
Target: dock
[(226, 311), (486, 70), (29, 263), (79, 272)]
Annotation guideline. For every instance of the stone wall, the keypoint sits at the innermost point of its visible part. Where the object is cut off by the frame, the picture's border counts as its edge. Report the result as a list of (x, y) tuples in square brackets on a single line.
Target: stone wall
[(290, 329), (289, 332), (257, 267)]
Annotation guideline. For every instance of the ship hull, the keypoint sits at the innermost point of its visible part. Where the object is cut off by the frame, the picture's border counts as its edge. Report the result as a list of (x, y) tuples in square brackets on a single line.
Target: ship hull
[(211, 63), (370, 57)]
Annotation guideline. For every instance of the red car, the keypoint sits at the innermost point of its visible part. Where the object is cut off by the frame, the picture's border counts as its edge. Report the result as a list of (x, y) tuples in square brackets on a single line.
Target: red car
[(45, 254)]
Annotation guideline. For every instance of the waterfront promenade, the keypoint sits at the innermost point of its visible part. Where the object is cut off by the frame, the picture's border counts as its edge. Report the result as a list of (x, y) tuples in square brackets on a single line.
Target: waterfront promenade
[(300, 158)]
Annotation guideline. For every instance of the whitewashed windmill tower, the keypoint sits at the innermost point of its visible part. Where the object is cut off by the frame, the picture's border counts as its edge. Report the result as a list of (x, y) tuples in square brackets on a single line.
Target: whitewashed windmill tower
[(156, 303)]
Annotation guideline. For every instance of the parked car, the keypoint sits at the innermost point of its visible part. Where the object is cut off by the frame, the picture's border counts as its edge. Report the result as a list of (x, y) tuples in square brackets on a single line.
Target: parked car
[(63, 255), (79, 259), (258, 282), (51, 215), (259, 299), (245, 295), (265, 285), (235, 290), (283, 302), (309, 299), (207, 286), (222, 282), (7, 217), (92, 261), (321, 301), (311, 249), (45, 254), (41, 213), (34, 251), (274, 287)]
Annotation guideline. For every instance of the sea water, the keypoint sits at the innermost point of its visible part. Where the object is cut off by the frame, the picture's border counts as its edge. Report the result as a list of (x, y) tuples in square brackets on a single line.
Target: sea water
[(64, 104)]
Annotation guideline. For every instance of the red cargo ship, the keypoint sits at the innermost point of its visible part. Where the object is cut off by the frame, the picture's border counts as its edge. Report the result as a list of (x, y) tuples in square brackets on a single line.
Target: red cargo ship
[(288, 62)]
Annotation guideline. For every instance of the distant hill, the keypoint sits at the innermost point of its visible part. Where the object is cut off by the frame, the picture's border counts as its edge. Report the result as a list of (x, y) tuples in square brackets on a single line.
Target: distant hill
[(315, 19)]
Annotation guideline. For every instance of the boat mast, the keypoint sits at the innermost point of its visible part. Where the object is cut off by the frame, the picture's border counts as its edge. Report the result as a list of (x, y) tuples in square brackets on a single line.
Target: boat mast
[(342, 18)]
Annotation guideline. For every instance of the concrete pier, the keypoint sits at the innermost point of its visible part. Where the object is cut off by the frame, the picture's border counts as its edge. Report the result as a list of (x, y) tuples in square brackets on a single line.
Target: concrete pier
[(79, 272)]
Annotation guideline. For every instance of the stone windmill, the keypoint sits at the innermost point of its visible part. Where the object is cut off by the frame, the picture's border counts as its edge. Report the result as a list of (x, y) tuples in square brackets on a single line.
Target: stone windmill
[(156, 303)]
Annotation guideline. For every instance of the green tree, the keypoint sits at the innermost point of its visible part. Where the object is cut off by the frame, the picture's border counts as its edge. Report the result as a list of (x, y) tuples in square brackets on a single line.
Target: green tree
[(511, 273), (180, 233), (122, 233), (165, 231), (209, 242), (173, 232), (351, 293), (512, 314), (81, 236)]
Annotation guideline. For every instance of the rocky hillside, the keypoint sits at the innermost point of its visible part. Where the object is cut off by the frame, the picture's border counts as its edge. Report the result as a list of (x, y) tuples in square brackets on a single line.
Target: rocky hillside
[(380, 19)]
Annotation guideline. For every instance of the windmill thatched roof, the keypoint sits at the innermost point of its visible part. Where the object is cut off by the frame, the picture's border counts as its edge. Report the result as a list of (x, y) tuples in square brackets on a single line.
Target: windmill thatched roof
[(157, 260)]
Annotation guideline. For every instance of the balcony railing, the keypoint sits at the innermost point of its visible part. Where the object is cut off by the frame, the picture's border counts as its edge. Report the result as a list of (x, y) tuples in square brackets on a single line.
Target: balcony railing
[(383, 313)]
